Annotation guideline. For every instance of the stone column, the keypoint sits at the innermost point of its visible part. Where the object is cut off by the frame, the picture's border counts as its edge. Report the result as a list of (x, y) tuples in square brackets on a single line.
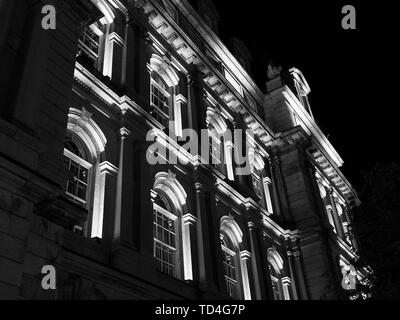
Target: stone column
[(204, 256), (196, 110), (129, 53), (245, 265), (293, 275), (123, 222), (256, 263), (299, 271), (114, 45), (104, 205), (286, 284), (189, 242)]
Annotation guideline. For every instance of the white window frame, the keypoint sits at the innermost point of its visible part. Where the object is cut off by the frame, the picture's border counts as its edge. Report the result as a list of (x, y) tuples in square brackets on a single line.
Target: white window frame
[(166, 94), (235, 282), (88, 50), (88, 166), (176, 250)]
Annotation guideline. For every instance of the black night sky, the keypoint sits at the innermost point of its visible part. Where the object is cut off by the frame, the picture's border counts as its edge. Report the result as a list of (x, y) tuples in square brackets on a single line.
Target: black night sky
[(350, 72)]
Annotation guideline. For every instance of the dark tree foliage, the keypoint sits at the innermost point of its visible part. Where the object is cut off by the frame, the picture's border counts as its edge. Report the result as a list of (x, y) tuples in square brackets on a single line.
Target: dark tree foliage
[(377, 223)]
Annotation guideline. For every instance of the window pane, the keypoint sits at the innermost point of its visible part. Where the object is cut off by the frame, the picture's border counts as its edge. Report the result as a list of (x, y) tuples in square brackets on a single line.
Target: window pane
[(89, 43), (160, 102), (230, 269), (164, 243), (77, 179)]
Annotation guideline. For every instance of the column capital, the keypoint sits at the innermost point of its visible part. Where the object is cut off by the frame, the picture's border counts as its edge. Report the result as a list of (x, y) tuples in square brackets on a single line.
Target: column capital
[(108, 168), (189, 219), (124, 132), (199, 186), (245, 255), (286, 281), (254, 225)]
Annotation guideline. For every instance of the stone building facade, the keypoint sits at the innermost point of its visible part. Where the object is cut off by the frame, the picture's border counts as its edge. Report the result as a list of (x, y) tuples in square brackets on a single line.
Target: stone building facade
[(77, 191)]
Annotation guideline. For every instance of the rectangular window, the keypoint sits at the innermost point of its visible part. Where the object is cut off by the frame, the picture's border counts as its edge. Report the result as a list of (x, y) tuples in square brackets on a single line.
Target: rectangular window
[(215, 150), (77, 182), (89, 42), (164, 233), (230, 272), (160, 102)]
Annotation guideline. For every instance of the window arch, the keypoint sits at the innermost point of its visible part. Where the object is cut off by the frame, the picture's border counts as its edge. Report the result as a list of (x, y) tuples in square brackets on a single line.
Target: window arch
[(231, 266), (234, 260), (280, 283), (84, 148), (220, 142), (79, 166), (163, 91), (171, 227), (262, 183)]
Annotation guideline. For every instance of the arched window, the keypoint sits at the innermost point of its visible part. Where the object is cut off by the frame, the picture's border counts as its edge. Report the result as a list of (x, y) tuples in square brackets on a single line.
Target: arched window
[(79, 165), (166, 236), (163, 86), (235, 260), (280, 284), (220, 143), (231, 266), (85, 182), (262, 183), (171, 227), (275, 282), (161, 100)]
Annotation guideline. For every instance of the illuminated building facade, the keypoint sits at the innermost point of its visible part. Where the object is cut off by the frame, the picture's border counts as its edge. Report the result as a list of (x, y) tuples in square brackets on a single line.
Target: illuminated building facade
[(77, 190)]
